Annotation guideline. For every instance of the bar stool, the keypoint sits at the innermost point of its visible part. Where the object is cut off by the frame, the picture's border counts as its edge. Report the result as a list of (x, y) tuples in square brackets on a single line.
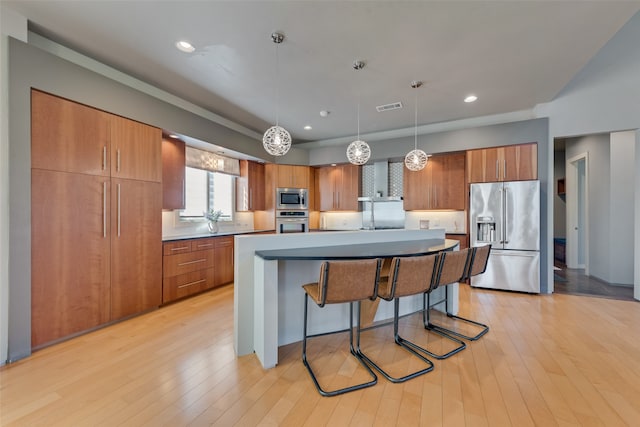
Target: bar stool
[(342, 282), (407, 276), (454, 268)]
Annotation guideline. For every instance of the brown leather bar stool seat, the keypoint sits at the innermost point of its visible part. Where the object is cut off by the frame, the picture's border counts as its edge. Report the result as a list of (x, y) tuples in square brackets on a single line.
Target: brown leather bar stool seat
[(342, 282), (407, 276), (454, 268)]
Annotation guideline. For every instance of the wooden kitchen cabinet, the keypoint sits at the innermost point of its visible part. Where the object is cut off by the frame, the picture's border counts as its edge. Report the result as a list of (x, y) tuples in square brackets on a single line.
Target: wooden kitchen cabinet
[(223, 260), (193, 266), (136, 264), (70, 254), (136, 151), (96, 238), (339, 187), (173, 174), (462, 238), (293, 176), (250, 186), (68, 137), (509, 163), (440, 185)]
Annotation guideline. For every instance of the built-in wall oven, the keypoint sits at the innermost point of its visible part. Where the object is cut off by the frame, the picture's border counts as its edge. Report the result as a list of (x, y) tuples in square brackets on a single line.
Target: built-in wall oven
[(294, 221), (292, 198)]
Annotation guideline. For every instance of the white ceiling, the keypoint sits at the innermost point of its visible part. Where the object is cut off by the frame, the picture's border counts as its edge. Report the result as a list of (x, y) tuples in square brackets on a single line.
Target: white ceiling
[(512, 54)]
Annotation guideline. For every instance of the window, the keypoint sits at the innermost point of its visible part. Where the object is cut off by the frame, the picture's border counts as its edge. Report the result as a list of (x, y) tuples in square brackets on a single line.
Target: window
[(207, 190)]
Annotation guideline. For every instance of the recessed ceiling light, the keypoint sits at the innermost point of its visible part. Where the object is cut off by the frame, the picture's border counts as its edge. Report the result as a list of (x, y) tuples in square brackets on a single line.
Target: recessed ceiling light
[(324, 113), (470, 98), (185, 46), (307, 127)]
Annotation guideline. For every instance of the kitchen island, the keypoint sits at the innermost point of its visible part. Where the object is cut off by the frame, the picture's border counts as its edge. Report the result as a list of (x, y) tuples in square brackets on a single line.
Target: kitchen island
[(270, 269)]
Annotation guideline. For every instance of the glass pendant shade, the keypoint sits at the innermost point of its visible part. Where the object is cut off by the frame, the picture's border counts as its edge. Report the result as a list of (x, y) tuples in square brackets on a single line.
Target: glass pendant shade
[(415, 160), (358, 152), (276, 141)]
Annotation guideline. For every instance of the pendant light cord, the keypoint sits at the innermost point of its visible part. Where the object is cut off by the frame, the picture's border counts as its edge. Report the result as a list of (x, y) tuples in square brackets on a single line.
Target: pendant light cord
[(415, 128), (358, 115), (277, 85)]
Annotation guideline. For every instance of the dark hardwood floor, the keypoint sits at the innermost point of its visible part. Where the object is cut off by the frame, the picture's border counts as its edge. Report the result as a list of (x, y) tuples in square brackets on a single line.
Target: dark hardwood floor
[(575, 282)]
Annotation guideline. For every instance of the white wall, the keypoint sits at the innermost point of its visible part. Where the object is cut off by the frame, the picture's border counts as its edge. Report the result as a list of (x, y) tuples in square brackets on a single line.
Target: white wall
[(636, 273), (603, 97), (598, 209), (13, 25), (621, 207)]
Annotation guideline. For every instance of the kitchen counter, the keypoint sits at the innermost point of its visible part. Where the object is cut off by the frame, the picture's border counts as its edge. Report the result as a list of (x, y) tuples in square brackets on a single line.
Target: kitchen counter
[(269, 271), (207, 234), (361, 251)]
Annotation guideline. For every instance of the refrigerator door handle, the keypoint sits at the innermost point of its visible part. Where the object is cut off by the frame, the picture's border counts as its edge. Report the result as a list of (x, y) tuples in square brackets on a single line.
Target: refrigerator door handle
[(506, 215)]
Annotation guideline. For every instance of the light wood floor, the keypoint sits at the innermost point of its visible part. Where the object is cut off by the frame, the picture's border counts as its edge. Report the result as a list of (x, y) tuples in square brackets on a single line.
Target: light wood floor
[(547, 361)]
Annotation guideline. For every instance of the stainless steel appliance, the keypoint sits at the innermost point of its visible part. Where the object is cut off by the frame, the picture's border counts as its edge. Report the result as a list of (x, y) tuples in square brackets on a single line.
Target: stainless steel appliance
[(292, 198), (507, 216), (295, 221), (382, 212)]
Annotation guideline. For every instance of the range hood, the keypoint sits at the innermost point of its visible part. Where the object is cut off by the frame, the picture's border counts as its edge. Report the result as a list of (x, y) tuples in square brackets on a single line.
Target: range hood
[(382, 182)]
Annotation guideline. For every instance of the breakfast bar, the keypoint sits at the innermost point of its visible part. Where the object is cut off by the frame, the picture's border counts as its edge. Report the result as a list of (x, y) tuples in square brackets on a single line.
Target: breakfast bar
[(270, 269)]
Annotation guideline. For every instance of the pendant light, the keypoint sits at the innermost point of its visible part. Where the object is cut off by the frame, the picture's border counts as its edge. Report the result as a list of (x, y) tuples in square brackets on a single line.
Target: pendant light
[(358, 152), (277, 140), (415, 159)]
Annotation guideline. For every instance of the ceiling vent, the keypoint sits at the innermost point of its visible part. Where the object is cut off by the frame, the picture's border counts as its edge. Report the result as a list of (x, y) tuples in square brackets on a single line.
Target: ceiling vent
[(389, 107)]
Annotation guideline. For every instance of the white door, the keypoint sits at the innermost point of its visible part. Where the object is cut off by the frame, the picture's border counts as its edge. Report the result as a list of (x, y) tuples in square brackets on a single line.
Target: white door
[(577, 169)]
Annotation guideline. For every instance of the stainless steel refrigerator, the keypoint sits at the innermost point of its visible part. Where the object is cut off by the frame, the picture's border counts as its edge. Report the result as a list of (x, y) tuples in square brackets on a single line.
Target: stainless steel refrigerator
[(507, 215)]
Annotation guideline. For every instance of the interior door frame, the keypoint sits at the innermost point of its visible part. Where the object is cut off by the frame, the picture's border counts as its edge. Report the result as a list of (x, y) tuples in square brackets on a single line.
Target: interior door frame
[(572, 211)]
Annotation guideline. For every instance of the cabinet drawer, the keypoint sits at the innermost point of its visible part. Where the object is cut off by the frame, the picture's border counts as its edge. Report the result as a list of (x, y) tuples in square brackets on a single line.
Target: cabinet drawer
[(186, 284), (174, 248), (184, 263), (224, 242), (203, 244)]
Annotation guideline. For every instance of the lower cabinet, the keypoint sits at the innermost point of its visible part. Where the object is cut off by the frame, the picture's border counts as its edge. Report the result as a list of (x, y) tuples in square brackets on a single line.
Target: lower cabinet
[(194, 266), (462, 238)]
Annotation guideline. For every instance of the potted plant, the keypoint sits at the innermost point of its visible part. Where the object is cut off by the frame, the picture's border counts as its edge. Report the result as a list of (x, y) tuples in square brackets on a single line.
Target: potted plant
[(212, 217)]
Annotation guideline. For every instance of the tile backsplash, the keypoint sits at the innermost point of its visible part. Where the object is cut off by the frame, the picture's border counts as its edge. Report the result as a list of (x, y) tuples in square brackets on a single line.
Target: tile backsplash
[(451, 221), (172, 226)]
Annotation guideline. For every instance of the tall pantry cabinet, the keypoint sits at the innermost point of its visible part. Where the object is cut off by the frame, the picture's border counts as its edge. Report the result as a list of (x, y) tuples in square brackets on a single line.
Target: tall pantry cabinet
[(96, 200)]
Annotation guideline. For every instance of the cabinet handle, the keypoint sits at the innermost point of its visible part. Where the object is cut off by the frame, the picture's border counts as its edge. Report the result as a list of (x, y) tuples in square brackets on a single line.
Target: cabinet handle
[(118, 160), (192, 262), (192, 283), (497, 167), (184, 191), (104, 209), (118, 210), (206, 245), (250, 199), (104, 157), (504, 170), (180, 248)]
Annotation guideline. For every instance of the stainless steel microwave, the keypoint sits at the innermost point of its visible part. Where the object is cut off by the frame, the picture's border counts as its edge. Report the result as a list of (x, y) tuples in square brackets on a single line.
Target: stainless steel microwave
[(292, 198)]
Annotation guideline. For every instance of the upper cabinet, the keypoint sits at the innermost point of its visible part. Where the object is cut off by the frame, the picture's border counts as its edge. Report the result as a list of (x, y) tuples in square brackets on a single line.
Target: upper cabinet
[(292, 176), (68, 137), (440, 185), (250, 187), (135, 150), (173, 174), (510, 163), (339, 187)]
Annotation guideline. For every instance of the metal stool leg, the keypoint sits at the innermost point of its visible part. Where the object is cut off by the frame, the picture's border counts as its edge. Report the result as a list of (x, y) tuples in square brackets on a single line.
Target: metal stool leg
[(407, 345), (442, 330), (354, 351)]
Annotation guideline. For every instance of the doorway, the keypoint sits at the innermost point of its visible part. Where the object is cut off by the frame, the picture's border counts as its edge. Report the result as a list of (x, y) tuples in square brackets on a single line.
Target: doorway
[(593, 248)]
